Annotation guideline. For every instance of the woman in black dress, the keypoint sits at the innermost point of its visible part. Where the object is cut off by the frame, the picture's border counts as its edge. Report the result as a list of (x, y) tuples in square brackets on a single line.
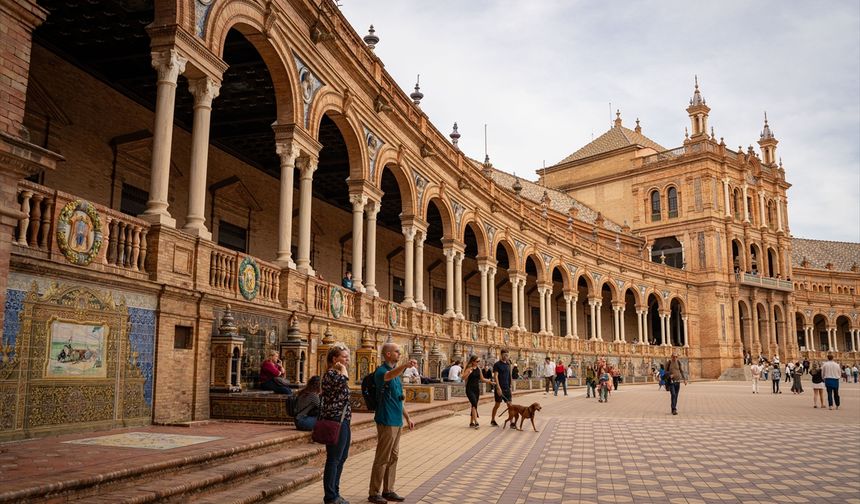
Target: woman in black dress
[(473, 378)]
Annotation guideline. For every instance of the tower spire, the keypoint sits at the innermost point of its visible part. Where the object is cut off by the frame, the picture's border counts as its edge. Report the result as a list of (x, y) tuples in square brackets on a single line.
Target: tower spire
[(767, 142), (698, 112)]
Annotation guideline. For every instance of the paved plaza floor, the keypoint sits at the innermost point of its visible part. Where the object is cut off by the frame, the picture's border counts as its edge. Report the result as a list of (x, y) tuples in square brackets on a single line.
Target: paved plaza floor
[(726, 445)]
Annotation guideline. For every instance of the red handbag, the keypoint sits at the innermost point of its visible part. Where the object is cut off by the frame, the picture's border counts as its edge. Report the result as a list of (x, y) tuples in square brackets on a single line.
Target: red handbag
[(327, 432)]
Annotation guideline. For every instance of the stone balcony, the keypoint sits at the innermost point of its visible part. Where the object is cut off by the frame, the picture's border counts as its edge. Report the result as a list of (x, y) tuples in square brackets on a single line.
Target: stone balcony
[(764, 282)]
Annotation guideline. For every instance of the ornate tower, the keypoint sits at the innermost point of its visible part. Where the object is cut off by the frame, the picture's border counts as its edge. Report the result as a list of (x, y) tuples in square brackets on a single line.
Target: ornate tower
[(698, 112), (767, 142)]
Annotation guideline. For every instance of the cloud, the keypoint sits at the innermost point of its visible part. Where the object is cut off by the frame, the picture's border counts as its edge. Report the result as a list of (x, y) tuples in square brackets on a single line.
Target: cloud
[(541, 75)]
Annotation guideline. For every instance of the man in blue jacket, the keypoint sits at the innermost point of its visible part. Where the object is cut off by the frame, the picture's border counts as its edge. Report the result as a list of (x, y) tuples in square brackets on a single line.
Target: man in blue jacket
[(389, 417)]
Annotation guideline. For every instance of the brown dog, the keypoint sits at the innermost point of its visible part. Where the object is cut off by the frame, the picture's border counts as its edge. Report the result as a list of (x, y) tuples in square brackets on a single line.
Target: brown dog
[(517, 412)]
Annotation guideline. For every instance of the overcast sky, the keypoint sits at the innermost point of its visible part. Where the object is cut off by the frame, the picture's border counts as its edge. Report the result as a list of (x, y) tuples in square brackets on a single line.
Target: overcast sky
[(542, 73)]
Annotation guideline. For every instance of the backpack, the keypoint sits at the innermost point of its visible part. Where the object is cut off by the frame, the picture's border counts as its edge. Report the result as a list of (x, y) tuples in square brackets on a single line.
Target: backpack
[(369, 392), (292, 405)]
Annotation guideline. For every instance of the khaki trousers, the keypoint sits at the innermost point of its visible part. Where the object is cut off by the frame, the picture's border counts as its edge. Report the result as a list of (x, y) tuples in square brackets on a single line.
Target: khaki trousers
[(385, 464)]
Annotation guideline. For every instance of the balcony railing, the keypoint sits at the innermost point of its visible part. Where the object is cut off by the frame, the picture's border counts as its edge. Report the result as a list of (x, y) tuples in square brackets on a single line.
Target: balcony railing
[(766, 282), (123, 237)]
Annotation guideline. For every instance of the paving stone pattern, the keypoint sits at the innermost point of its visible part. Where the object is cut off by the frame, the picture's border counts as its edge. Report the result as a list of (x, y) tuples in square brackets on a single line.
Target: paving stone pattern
[(727, 445)]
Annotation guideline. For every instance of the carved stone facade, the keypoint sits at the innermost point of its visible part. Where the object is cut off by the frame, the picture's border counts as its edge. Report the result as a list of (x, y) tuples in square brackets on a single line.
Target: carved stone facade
[(332, 169)]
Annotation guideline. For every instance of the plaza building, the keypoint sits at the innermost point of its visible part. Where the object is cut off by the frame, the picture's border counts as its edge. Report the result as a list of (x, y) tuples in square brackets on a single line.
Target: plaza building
[(184, 184)]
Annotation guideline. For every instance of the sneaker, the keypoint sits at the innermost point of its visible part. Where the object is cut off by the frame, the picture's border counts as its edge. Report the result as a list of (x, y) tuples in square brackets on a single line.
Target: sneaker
[(674, 412), (494, 424), (391, 496), (376, 499)]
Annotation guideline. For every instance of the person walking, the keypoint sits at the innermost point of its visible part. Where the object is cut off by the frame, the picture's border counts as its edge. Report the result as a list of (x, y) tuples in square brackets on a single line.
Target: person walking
[(590, 382), (774, 378), (560, 378), (796, 386), (501, 384), (817, 386), (308, 405), (548, 375), (334, 405), (674, 376), (473, 377), (755, 369), (830, 372), (603, 379), (615, 372), (856, 372), (389, 417)]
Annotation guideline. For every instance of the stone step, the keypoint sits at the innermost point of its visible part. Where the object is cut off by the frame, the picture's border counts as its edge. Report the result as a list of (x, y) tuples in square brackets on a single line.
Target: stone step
[(256, 476)]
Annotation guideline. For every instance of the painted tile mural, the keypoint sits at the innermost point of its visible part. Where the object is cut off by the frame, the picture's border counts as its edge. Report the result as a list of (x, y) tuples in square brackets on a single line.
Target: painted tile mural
[(11, 323), (142, 338)]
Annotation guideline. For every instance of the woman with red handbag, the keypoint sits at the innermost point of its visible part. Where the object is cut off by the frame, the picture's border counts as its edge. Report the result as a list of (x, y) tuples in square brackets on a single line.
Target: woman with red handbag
[(333, 424)]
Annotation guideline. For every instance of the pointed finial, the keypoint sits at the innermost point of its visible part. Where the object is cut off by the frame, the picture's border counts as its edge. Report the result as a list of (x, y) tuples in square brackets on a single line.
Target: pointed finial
[(712, 132), (637, 129), (455, 136), (766, 133), (517, 187), (617, 118), (417, 95), (697, 96), (686, 133), (371, 39)]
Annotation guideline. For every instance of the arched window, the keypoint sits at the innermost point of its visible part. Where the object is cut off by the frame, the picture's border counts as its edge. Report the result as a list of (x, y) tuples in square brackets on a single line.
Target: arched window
[(736, 203), (655, 205), (673, 202)]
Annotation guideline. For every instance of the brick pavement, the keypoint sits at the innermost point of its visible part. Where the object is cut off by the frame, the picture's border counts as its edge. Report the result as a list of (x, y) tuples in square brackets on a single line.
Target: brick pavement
[(727, 445)]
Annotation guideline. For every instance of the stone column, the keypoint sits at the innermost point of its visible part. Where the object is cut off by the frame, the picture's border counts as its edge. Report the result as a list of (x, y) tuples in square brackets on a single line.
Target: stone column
[(592, 305), (574, 301), (549, 310), (521, 292), (169, 65), (358, 203), (598, 310), (664, 341), (639, 324), (287, 154), (726, 197), (616, 322), (542, 303), (746, 207), (686, 334), (835, 343), (568, 330), (409, 255), (372, 209), (515, 300), (449, 253), (458, 284), (807, 338), (779, 213), (204, 90), (762, 212), (306, 179), (419, 269), (491, 279), (756, 336), (621, 323), (482, 269)]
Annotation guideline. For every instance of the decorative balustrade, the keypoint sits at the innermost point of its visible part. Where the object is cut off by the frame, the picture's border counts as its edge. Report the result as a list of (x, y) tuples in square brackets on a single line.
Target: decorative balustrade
[(766, 282), (224, 275), (114, 239)]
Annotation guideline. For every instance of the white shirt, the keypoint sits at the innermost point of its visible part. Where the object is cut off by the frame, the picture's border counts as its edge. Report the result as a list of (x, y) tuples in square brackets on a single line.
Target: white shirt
[(756, 370), (411, 375), (454, 373), (549, 370), (830, 369)]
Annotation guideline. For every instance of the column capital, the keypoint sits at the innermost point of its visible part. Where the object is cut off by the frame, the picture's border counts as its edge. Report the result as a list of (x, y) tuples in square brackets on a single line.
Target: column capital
[(449, 253), (568, 297), (409, 232), (308, 165), (372, 208), (169, 64), (288, 152), (204, 90), (358, 200), (483, 268)]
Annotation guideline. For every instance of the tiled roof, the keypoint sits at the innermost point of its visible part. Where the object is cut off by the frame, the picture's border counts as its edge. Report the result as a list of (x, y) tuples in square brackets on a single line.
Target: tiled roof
[(559, 201), (842, 255), (617, 137)]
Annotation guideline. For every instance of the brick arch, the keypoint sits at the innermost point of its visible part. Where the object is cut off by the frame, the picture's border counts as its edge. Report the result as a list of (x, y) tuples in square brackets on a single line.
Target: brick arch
[(404, 182), (480, 235), (531, 251), (661, 303), (248, 19), (566, 280), (613, 289), (589, 281), (637, 298), (504, 241), (435, 195), (681, 302), (327, 105)]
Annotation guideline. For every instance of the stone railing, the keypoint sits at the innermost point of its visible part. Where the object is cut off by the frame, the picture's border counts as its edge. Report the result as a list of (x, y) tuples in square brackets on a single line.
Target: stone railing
[(123, 244), (320, 300), (221, 266), (766, 282)]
